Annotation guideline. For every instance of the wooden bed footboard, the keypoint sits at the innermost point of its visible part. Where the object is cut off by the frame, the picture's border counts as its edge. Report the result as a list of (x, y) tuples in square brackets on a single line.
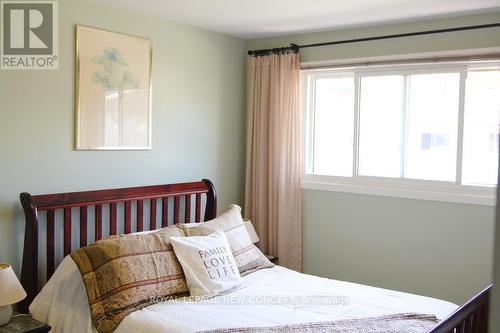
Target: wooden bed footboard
[(472, 317)]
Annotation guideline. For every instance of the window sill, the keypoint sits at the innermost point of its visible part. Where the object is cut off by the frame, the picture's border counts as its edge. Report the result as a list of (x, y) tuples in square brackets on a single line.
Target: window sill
[(408, 189)]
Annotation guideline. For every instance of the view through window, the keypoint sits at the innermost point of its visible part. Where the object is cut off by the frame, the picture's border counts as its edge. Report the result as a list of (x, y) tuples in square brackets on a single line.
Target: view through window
[(429, 123)]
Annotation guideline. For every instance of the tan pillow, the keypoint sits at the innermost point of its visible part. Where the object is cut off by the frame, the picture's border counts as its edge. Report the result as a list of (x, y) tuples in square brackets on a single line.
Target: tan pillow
[(248, 257), (125, 273)]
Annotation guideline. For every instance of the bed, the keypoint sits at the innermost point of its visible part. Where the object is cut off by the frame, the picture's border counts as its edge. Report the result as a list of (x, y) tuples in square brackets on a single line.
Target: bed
[(274, 298)]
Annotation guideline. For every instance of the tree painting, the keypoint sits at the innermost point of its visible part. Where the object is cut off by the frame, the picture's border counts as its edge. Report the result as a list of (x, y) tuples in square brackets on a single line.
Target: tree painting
[(115, 78)]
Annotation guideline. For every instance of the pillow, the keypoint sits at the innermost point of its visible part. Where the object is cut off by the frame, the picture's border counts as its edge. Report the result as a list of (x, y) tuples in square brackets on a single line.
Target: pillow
[(125, 273), (248, 257), (208, 264)]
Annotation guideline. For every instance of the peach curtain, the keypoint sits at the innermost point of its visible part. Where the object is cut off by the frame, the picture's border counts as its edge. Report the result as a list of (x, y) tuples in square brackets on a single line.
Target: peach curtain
[(273, 193)]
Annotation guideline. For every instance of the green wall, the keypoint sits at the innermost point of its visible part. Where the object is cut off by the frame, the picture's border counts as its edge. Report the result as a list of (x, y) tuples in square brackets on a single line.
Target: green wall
[(440, 42), (197, 114), (438, 249)]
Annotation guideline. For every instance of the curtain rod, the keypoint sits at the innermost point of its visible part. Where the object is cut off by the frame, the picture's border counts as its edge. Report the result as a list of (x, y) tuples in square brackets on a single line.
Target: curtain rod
[(295, 47)]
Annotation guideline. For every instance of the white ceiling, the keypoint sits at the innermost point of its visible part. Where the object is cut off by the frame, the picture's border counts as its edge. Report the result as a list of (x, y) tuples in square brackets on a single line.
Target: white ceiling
[(262, 18)]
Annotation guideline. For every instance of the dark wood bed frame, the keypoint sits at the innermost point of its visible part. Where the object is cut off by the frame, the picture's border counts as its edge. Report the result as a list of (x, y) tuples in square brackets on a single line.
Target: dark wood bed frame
[(472, 317)]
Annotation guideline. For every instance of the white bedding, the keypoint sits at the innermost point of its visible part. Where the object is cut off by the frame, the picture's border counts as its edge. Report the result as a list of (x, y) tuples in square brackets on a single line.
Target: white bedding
[(273, 296)]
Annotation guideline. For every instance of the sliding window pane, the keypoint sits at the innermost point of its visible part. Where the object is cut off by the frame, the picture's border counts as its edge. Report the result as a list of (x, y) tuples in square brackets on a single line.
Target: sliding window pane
[(333, 126), (482, 108), (432, 126), (381, 109)]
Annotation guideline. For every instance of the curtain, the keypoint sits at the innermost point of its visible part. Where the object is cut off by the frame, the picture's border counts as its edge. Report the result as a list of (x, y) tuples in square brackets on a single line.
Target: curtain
[(272, 186)]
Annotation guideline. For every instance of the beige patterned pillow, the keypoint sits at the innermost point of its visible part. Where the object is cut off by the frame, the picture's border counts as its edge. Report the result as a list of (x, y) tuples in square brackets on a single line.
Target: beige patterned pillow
[(248, 257), (125, 273)]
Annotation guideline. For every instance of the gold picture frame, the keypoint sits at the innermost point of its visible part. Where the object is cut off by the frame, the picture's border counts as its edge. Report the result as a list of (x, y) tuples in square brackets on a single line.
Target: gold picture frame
[(112, 90)]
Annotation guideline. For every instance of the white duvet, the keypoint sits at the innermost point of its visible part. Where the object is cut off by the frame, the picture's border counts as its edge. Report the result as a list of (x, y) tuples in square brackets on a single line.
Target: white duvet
[(274, 296)]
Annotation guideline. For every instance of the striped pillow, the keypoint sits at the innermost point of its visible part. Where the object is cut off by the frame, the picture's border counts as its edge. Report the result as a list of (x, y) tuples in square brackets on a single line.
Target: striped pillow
[(248, 257), (125, 273)]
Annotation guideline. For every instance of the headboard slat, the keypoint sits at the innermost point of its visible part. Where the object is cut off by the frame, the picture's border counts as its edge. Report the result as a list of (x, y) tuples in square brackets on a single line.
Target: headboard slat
[(152, 214), (128, 220), (114, 198), (140, 215), (83, 226), (50, 243), (112, 218), (98, 222), (176, 209), (198, 207), (187, 208), (67, 231), (164, 215)]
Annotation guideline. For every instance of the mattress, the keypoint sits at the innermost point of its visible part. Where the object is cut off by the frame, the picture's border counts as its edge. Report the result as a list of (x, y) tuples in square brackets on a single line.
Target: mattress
[(270, 297)]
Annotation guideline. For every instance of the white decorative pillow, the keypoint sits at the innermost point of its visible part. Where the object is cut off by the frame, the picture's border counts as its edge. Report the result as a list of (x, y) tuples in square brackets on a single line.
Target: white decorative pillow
[(208, 264), (248, 257)]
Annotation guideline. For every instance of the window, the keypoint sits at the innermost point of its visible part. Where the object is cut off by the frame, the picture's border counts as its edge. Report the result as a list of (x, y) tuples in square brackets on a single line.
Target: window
[(415, 128), (482, 108), (333, 130)]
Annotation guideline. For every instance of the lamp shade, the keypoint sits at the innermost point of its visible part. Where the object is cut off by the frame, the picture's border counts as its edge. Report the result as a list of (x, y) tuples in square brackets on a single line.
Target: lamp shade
[(251, 231), (11, 290)]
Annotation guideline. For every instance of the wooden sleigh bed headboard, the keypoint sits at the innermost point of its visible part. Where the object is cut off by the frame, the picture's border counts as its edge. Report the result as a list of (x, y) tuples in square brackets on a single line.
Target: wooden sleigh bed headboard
[(155, 207)]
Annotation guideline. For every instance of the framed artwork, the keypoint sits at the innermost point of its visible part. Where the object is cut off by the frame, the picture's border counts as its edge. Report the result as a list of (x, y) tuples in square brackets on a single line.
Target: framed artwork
[(113, 90)]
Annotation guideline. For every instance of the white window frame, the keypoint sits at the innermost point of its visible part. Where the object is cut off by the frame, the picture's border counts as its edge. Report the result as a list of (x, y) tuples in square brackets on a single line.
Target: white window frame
[(382, 186)]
